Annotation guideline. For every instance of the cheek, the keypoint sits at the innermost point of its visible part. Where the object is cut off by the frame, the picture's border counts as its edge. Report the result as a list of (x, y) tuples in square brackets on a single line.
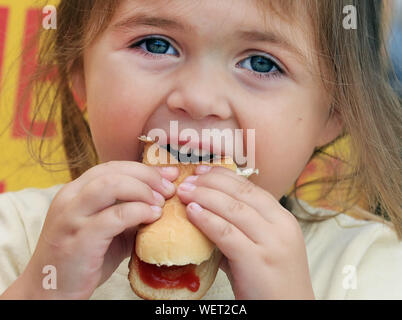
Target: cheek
[(285, 141), (280, 157), (114, 134), (117, 109)]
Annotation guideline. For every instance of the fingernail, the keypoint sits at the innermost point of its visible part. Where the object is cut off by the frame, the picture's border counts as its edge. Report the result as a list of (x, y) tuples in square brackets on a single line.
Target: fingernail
[(195, 207), (191, 179), (167, 185), (157, 209), (186, 187), (158, 197), (203, 169)]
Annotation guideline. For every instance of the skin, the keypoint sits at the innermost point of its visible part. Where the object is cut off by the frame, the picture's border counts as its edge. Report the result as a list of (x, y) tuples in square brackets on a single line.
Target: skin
[(199, 83)]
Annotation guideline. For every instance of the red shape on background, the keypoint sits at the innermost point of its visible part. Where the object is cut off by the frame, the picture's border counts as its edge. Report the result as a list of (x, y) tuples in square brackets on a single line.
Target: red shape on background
[(28, 66), (3, 34), (81, 105), (2, 186)]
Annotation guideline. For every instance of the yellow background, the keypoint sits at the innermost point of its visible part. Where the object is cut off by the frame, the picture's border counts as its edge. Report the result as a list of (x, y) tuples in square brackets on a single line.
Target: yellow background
[(17, 169)]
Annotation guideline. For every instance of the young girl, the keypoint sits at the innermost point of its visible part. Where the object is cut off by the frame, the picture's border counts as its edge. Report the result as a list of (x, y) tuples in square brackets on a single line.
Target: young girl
[(292, 70)]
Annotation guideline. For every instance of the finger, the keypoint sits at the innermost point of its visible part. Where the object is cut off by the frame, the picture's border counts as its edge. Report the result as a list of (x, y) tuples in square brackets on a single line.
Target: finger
[(104, 191), (236, 212), (116, 219), (229, 239), (170, 173), (241, 189), (156, 179), (203, 169)]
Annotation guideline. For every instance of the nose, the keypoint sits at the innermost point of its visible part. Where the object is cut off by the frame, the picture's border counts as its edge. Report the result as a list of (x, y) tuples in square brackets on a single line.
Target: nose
[(199, 91)]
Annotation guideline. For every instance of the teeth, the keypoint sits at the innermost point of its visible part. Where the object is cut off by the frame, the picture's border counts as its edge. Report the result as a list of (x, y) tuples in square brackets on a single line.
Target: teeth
[(186, 153), (196, 152), (174, 146), (200, 152), (184, 149)]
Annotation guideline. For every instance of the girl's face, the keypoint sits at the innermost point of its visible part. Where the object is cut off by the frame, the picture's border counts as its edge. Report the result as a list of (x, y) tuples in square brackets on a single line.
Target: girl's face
[(207, 64)]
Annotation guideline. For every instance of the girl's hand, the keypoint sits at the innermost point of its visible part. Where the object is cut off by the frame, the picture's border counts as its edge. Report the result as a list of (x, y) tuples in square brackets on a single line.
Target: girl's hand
[(265, 255), (91, 224)]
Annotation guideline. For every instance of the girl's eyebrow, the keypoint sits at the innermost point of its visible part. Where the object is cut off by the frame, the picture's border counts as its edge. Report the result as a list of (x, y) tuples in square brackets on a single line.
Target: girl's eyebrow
[(141, 19), (270, 37), (153, 21)]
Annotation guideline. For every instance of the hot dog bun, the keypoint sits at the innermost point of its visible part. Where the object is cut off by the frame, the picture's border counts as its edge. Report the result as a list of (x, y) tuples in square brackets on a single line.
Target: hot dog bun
[(173, 240)]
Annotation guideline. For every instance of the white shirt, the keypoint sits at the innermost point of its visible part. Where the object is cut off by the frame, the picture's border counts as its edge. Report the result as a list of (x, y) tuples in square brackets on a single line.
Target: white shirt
[(348, 258)]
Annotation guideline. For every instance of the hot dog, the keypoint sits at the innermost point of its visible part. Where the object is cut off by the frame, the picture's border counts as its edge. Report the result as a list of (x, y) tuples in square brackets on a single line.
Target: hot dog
[(172, 259)]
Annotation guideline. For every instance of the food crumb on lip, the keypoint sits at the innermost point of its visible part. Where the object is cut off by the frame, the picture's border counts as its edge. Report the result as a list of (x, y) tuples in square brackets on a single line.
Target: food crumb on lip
[(145, 139)]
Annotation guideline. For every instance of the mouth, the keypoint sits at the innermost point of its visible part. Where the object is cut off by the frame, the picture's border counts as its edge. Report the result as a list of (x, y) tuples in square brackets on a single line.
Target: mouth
[(195, 155), (190, 151)]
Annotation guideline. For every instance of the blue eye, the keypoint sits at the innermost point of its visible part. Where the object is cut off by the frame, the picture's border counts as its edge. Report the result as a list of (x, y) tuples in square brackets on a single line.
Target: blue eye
[(154, 46), (261, 66)]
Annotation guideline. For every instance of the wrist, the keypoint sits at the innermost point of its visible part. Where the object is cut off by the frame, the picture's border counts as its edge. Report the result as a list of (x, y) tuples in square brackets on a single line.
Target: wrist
[(38, 287), (29, 286), (18, 290)]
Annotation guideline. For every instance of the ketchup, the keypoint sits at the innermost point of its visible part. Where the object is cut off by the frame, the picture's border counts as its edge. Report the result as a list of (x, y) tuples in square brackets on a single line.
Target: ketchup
[(169, 277)]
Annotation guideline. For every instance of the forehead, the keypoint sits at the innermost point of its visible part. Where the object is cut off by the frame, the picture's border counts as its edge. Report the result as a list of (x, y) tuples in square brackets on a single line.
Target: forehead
[(280, 20), (251, 12)]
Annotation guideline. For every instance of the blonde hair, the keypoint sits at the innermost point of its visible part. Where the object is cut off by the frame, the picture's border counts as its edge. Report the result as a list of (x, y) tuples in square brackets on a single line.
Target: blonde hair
[(355, 71)]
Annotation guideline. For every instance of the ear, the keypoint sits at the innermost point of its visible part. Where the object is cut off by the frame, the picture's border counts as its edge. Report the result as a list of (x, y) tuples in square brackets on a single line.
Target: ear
[(332, 129), (78, 87)]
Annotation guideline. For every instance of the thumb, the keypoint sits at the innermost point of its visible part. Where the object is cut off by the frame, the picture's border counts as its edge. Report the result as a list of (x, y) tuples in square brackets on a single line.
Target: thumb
[(119, 249), (225, 266)]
